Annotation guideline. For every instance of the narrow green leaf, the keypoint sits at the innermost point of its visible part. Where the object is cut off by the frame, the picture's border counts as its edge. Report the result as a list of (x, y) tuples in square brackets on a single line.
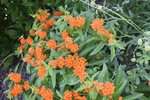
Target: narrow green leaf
[(118, 76), (87, 50), (54, 54), (133, 96), (80, 34), (39, 80), (24, 95), (94, 75), (59, 94), (112, 52), (32, 77), (4, 81), (28, 68), (98, 48), (54, 78), (119, 46), (97, 62), (21, 67), (82, 86), (45, 64), (102, 73), (16, 68)]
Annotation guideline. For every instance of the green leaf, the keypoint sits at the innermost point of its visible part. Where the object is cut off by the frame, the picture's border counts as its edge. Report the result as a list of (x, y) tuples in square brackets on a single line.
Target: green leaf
[(55, 54), (120, 88), (102, 73), (119, 46), (112, 52), (87, 50), (54, 78), (24, 95), (45, 64), (118, 76), (3, 1), (21, 67), (143, 88), (80, 34), (137, 80), (97, 62), (4, 81), (98, 48), (82, 86), (32, 77), (59, 94), (28, 68), (7, 62), (27, 4), (94, 75), (133, 96), (138, 54), (39, 80), (16, 68)]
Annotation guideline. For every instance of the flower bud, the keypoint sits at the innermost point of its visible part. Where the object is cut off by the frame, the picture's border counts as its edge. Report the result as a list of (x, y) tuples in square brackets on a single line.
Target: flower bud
[(133, 59), (139, 41), (147, 48)]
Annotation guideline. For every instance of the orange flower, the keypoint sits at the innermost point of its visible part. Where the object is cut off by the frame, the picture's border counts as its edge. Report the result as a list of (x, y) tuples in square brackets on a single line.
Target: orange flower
[(82, 98), (41, 34), (39, 50), (51, 22), (29, 41), (28, 59), (110, 40), (21, 48), (120, 98), (44, 16), (76, 95), (86, 90), (32, 32), (68, 18), (80, 21), (61, 62), (45, 26), (73, 22), (51, 44), (17, 89), (26, 85), (64, 35), (41, 71), (40, 10), (31, 51), (110, 96), (97, 24), (99, 86), (69, 61), (53, 63), (57, 13), (22, 41), (15, 77), (60, 47), (108, 88), (68, 95), (74, 47), (46, 94), (149, 83)]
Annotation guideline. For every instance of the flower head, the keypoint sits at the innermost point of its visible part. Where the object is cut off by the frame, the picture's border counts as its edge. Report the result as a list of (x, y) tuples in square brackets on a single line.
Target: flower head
[(15, 77)]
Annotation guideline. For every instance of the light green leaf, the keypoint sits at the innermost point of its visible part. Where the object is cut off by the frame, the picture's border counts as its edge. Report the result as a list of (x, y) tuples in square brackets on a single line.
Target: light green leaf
[(133, 96), (59, 94), (98, 48), (28, 68), (112, 52), (94, 75), (103, 73)]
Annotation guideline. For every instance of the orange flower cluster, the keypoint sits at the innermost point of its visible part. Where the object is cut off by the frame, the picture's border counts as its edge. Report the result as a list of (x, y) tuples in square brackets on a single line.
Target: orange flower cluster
[(22, 41), (120, 98), (72, 61), (51, 44), (108, 88), (28, 59), (70, 95), (32, 32), (60, 47), (39, 59), (41, 71), (64, 35), (43, 17), (97, 25), (46, 94), (31, 51), (70, 45), (68, 18), (26, 85), (17, 89), (29, 41), (57, 13), (21, 48), (149, 83), (15, 77), (79, 21), (41, 34), (86, 90), (48, 24)]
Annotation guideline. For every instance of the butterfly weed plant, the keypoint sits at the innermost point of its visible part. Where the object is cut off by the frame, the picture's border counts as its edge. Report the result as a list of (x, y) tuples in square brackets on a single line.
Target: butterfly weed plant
[(74, 56)]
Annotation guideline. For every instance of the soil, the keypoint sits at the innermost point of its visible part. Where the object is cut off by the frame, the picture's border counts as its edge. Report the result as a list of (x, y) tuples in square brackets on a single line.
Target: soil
[(4, 74)]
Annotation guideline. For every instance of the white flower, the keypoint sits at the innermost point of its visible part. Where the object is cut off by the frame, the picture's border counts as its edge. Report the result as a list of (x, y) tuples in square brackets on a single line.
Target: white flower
[(139, 41), (133, 59), (100, 7), (146, 44)]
